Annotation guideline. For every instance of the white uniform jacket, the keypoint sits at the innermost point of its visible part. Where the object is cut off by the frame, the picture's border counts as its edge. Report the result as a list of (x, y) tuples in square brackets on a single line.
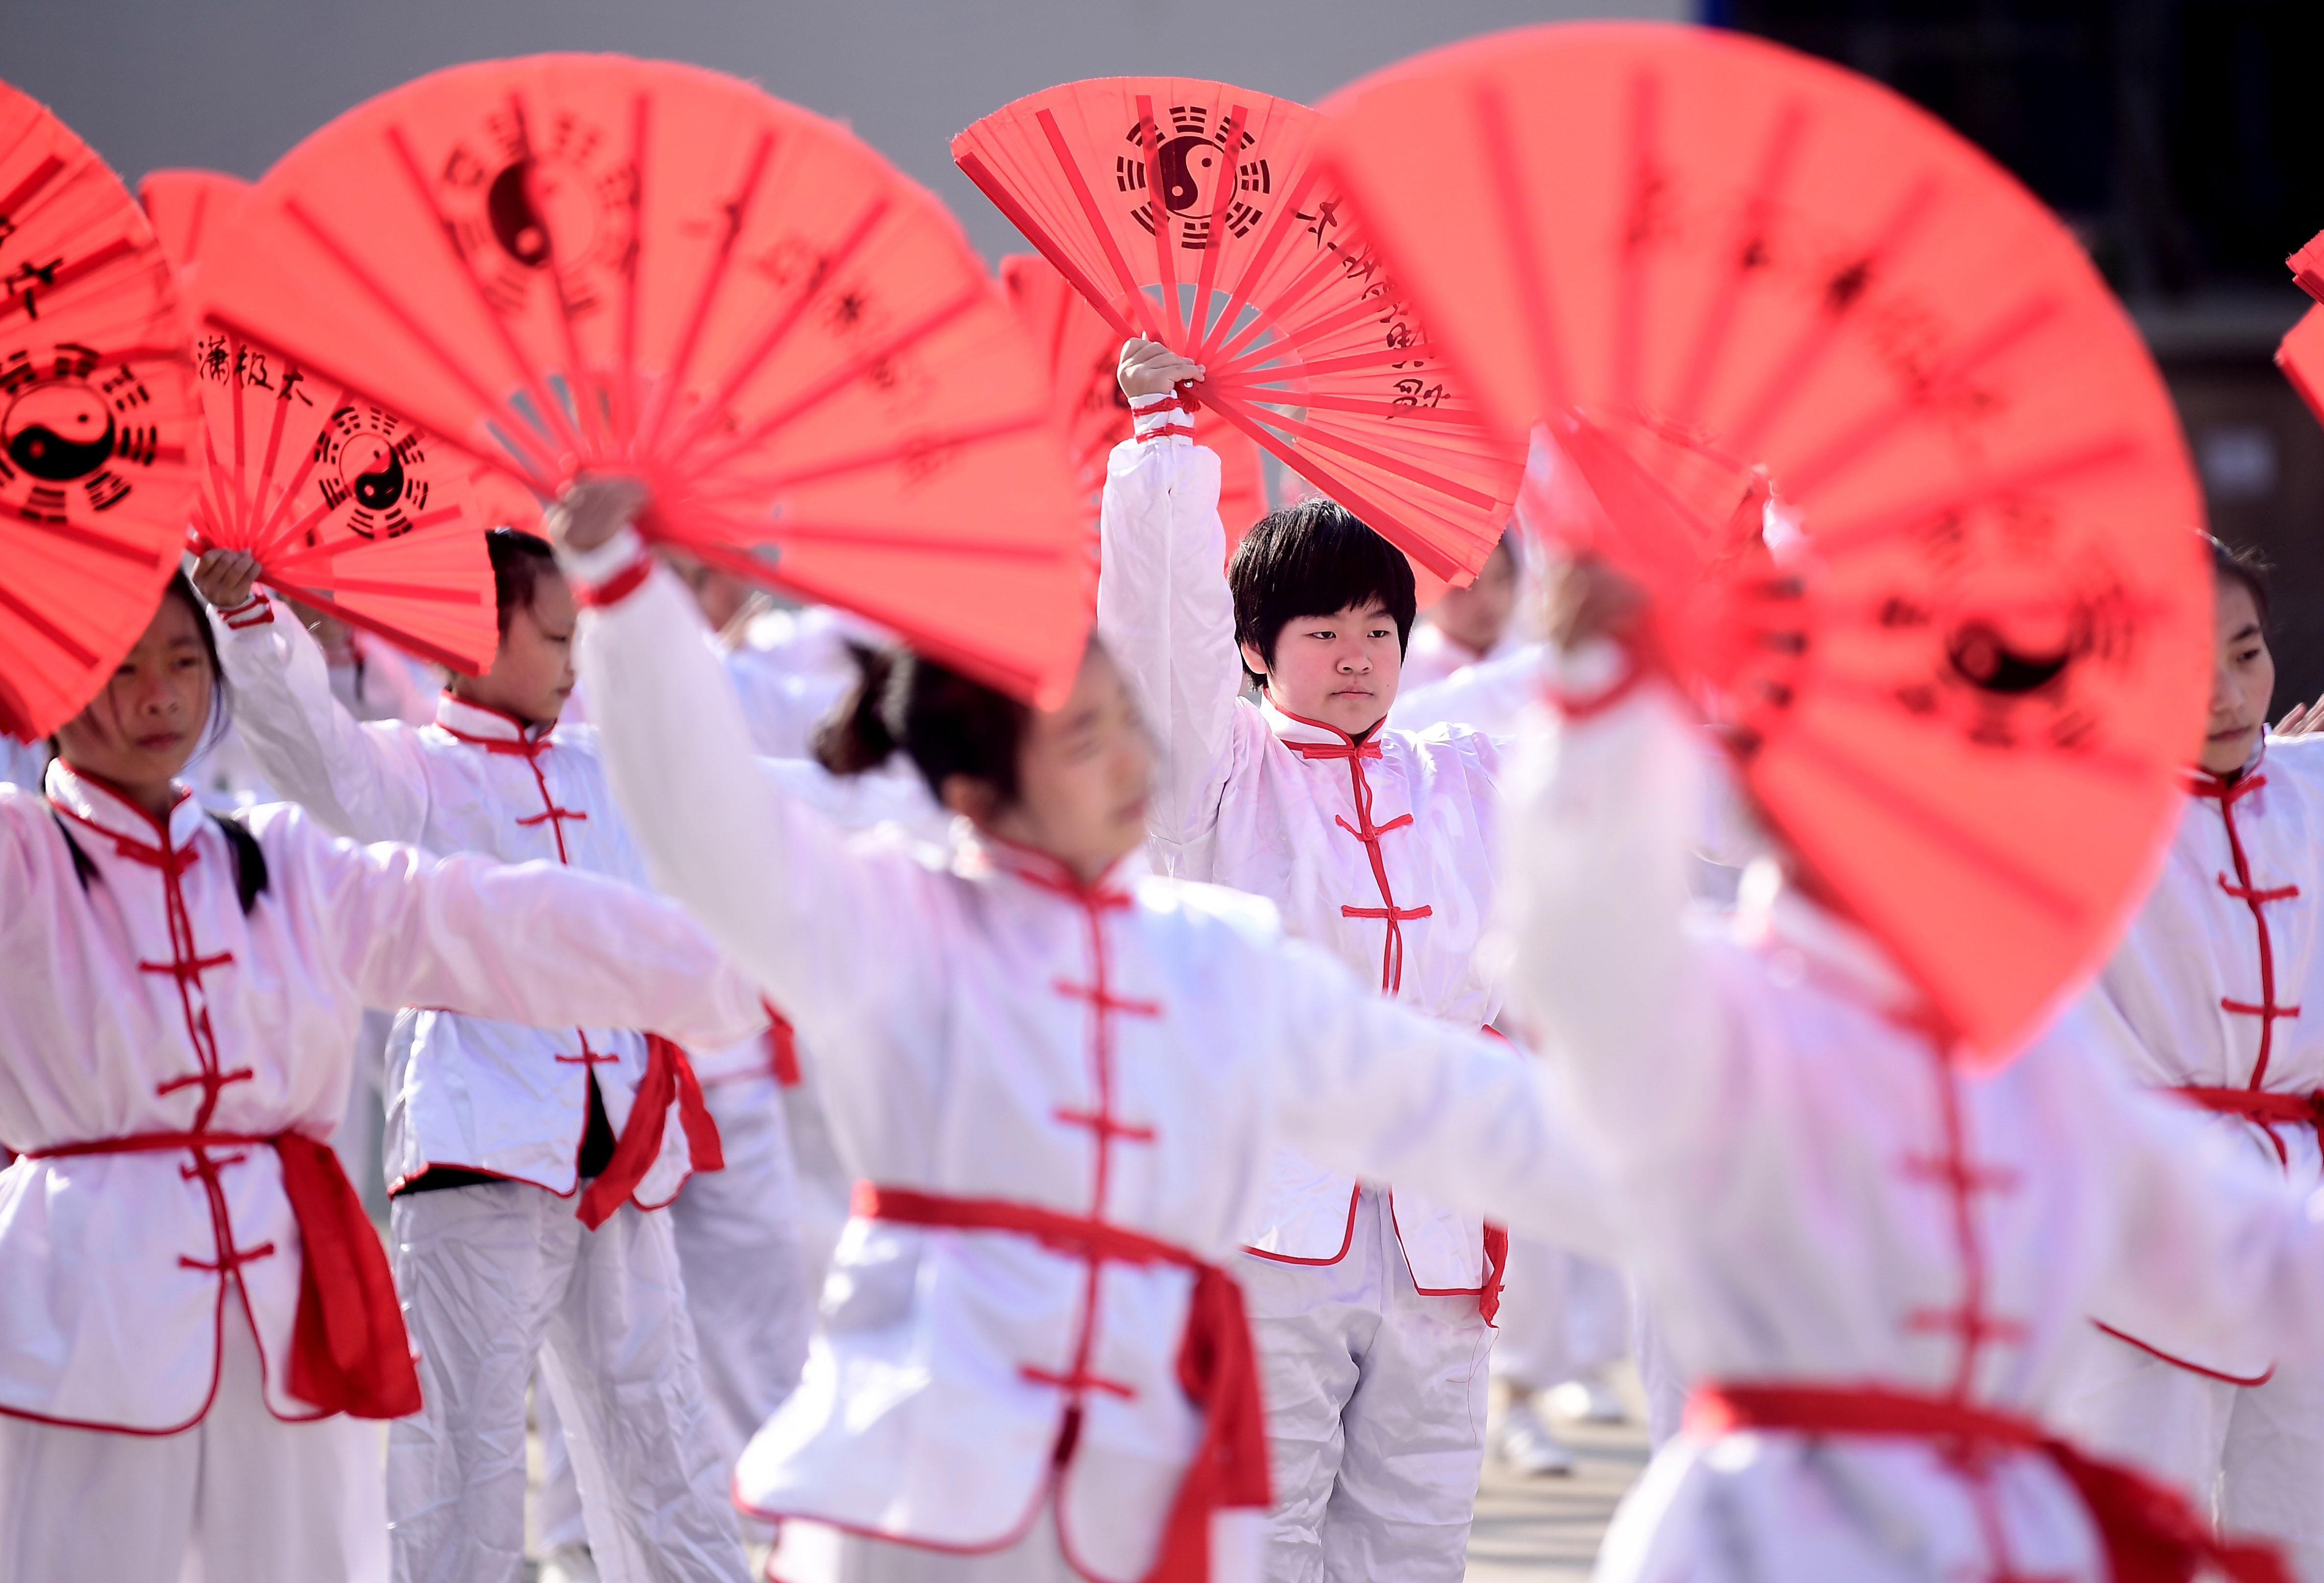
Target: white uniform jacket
[(461, 1091), (1811, 1195), (1382, 855), (982, 1027), (136, 997), (2206, 991)]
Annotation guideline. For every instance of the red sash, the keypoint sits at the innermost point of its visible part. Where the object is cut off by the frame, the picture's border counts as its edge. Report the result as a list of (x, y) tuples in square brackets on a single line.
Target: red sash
[(669, 1075), (2152, 1535), (1216, 1366), (349, 1350)]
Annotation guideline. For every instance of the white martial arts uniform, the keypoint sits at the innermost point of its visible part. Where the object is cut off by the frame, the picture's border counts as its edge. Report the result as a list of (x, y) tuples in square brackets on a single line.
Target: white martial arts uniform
[(482, 1290), (2206, 993), (169, 1062), (1813, 1197), (1435, 655), (1110, 1063), (1382, 854)]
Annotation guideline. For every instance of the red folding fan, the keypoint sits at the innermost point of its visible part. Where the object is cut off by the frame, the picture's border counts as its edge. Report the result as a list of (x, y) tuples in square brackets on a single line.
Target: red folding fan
[(1188, 212), (1967, 659), (1082, 351), (568, 262), (98, 420), (2300, 354), (346, 508)]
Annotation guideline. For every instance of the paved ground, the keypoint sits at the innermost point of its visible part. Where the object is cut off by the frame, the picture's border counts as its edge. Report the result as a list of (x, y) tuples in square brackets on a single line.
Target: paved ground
[(1540, 1530)]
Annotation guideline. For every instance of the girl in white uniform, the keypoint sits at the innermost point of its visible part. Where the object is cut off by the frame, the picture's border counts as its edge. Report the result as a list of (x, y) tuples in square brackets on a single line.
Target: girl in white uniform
[(1373, 1312), (495, 1130), (2205, 998), (1870, 1258), (1063, 1077), (191, 1294)]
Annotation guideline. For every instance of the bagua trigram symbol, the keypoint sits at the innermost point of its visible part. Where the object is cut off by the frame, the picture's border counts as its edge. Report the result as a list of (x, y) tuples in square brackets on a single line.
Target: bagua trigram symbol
[(71, 421), (1191, 159), (368, 462)]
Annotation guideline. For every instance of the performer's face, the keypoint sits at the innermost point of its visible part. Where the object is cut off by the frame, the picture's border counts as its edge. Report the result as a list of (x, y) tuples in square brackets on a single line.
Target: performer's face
[(1082, 776), (2243, 679), (532, 671), (1476, 616), (143, 726), (1339, 670)]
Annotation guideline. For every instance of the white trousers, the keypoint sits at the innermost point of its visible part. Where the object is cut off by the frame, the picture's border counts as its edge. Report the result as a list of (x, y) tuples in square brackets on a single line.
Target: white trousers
[(1375, 1412), (494, 1277), (2251, 1456), (240, 1497), (815, 1553), (738, 1240), (1562, 1316)]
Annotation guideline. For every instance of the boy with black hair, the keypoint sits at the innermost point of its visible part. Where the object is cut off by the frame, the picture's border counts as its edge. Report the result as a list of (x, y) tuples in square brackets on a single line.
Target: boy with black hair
[(1372, 1309), (493, 1129)]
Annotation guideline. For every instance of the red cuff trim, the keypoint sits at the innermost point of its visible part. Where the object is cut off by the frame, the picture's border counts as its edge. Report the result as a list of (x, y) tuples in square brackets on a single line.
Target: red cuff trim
[(1582, 708), (1146, 406), (617, 587), (1165, 431), (257, 611)]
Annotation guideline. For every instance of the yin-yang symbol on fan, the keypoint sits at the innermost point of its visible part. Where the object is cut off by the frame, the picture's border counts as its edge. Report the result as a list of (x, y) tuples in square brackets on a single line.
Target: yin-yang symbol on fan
[(367, 463), (2016, 655), (70, 430), (541, 206), (1197, 152)]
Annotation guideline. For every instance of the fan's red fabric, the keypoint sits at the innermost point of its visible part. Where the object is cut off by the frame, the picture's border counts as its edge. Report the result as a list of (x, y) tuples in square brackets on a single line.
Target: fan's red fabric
[(1081, 351), (99, 425), (566, 263), (1189, 212), (2301, 355), (346, 507), (1967, 665), (2306, 267), (185, 207)]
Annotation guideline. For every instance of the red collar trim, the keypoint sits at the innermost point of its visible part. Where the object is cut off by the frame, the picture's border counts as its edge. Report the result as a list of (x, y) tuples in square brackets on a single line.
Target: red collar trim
[(102, 805), (481, 722), (1279, 718), (1044, 872)]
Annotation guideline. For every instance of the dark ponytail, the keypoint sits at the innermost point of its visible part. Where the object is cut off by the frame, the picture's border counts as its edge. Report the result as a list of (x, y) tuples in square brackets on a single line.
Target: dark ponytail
[(948, 724)]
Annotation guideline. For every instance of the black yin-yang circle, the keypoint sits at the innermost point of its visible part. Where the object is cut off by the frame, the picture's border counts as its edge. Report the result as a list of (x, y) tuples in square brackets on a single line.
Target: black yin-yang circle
[(1189, 164), (372, 472), (59, 432), (2007, 665), (522, 232)]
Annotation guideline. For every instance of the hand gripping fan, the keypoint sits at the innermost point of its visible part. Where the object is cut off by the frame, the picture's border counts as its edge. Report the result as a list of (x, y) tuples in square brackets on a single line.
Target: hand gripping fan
[(2300, 354), (346, 507), (568, 262), (99, 424), (1189, 213), (1907, 489), (1081, 351)]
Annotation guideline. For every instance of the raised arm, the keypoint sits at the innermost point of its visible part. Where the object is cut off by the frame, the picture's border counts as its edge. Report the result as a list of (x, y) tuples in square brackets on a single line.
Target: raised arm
[(1367, 1086), (531, 942), (1166, 617), (832, 933), (363, 781)]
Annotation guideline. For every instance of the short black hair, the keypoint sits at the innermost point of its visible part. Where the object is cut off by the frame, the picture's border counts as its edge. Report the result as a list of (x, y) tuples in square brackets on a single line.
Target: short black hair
[(2234, 564), (517, 559), (944, 722), (1314, 559)]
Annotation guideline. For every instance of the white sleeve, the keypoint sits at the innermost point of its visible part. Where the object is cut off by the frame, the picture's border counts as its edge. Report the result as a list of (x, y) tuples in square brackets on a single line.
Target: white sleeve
[(2212, 1248), (1374, 1088), (367, 781), (1592, 942), (835, 934), (530, 942), (1168, 619), (1491, 695)]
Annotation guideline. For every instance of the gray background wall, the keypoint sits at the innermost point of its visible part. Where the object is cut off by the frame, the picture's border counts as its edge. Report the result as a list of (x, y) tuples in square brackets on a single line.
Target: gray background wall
[(232, 83)]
